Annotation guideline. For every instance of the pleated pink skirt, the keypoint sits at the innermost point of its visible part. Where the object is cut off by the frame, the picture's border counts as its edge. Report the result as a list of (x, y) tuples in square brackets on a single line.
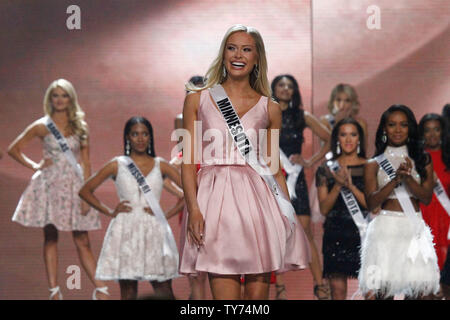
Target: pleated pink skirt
[(245, 231)]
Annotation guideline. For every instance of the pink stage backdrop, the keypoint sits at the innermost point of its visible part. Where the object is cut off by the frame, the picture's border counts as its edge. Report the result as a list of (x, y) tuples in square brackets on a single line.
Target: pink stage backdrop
[(129, 58)]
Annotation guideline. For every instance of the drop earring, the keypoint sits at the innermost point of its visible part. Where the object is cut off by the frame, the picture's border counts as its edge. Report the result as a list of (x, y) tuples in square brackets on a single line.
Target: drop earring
[(127, 148), (358, 150), (149, 149), (224, 71), (256, 71), (384, 137), (338, 148)]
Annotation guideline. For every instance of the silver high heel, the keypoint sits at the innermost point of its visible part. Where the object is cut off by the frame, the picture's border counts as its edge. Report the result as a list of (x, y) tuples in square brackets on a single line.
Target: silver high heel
[(54, 291), (100, 289)]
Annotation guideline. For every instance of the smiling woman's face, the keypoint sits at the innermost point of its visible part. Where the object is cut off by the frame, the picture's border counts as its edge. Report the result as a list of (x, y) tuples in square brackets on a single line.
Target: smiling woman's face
[(240, 54), (397, 128)]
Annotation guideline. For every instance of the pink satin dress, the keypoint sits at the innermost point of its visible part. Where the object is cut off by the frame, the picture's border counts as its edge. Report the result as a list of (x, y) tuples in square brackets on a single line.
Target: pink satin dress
[(245, 231)]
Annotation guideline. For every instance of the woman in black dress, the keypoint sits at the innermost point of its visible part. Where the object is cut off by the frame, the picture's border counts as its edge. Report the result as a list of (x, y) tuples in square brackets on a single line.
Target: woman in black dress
[(295, 119), (341, 238)]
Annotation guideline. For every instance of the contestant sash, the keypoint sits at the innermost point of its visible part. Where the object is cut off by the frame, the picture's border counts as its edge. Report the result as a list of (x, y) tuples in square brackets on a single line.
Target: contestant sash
[(247, 151), (62, 142), (440, 193), (351, 204), (293, 171), (169, 245), (419, 242)]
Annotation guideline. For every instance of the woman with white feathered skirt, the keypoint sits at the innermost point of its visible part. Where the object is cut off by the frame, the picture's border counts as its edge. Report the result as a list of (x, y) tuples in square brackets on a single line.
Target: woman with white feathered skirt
[(397, 255)]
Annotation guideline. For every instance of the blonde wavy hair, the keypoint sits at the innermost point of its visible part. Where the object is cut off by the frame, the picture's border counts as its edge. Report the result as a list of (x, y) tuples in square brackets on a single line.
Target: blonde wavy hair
[(350, 92), (76, 115), (215, 74)]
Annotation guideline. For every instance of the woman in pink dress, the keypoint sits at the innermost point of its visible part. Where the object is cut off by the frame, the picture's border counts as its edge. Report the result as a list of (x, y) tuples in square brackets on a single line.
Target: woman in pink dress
[(234, 225), (51, 199)]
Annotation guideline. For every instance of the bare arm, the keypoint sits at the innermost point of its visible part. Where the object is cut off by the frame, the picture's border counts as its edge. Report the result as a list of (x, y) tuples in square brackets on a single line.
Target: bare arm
[(327, 199), (322, 132), (36, 129), (273, 154), (84, 159), (174, 175), (374, 197), (422, 191), (87, 191), (169, 185), (196, 222)]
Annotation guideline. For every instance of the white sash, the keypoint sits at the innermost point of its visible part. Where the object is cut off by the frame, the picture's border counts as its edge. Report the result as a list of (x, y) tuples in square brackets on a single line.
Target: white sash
[(293, 170), (63, 145), (247, 151), (352, 204), (419, 241), (169, 245), (442, 196)]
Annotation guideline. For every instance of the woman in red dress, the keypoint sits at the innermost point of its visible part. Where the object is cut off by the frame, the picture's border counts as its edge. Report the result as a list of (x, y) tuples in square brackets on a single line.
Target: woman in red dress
[(434, 132)]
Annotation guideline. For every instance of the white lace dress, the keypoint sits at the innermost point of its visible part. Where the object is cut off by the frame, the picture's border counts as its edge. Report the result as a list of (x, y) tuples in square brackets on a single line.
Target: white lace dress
[(133, 244)]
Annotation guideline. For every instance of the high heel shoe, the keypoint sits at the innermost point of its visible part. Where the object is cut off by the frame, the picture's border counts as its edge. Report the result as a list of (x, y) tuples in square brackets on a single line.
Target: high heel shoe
[(54, 291), (280, 288), (321, 292), (103, 290)]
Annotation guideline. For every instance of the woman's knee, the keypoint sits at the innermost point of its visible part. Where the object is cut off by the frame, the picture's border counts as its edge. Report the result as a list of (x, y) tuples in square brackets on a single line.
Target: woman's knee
[(50, 234), (81, 239)]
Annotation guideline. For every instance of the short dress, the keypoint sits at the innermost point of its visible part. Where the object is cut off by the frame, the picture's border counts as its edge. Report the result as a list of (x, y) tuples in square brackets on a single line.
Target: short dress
[(52, 194), (385, 265), (133, 244), (341, 240), (245, 231), (291, 140)]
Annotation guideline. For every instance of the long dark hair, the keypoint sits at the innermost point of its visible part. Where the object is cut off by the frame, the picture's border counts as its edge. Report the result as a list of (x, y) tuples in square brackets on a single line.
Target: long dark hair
[(130, 123), (296, 100), (444, 135), (335, 134), (295, 105), (415, 148)]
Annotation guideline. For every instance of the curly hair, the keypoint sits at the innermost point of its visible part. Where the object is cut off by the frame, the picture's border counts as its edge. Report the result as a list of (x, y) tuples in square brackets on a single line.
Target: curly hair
[(75, 113)]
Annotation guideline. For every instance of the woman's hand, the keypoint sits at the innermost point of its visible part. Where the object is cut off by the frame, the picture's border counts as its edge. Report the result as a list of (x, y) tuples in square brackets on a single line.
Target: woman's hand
[(342, 177), (403, 171), (297, 158), (149, 211), (121, 207), (43, 164), (195, 228), (85, 207)]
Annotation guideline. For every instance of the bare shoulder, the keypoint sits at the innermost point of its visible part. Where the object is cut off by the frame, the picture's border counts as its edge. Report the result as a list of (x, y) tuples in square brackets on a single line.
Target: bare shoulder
[(274, 113), (38, 128), (371, 164), (110, 169), (165, 166), (192, 100), (273, 107)]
